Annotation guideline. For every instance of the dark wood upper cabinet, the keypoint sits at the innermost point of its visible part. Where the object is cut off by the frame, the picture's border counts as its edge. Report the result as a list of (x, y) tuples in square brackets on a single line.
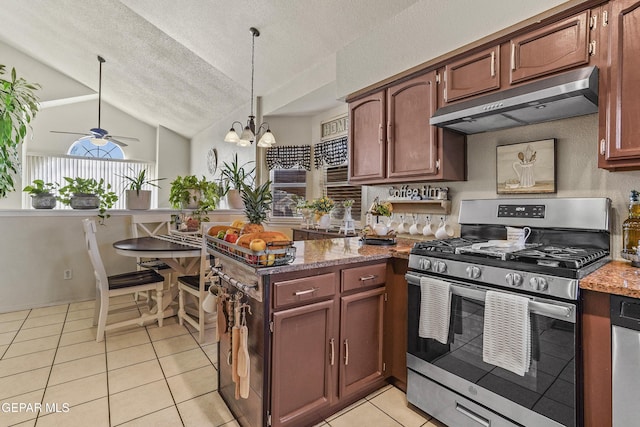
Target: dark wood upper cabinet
[(411, 141), (367, 157), (472, 75), (552, 48), (620, 105)]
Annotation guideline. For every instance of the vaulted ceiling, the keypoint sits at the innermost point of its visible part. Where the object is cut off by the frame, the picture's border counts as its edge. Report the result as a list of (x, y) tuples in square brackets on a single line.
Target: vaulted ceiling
[(186, 64)]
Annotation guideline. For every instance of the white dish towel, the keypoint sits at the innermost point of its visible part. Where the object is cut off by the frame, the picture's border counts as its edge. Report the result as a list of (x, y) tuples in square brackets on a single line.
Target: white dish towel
[(435, 309), (507, 332)]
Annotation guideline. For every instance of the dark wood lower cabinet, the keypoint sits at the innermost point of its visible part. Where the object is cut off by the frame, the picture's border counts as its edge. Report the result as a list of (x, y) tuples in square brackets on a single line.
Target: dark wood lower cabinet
[(395, 325), (303, 359), (361, 332)]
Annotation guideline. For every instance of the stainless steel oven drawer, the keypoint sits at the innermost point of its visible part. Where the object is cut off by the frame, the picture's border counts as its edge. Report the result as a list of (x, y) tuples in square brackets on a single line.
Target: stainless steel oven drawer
[(449, 407)]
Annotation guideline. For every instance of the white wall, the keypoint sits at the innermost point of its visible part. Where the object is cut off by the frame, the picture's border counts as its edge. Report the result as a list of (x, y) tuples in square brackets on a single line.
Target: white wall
[(173, 154)]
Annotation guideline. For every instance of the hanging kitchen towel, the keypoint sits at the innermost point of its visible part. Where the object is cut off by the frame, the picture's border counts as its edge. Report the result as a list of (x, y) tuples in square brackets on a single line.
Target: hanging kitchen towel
[(507, 332), (435, 309), (244, 362)]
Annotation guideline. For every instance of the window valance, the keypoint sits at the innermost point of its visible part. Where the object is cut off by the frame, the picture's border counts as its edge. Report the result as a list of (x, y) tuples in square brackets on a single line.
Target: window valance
[(331, 153), (289, 156)]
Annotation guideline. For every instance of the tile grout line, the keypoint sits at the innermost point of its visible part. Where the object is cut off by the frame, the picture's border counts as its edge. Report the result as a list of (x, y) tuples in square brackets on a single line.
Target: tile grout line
[(14, 337), (52, 363)]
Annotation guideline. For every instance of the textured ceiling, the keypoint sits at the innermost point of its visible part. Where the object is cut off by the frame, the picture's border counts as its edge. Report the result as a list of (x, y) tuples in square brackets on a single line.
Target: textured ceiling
[(187, 64)]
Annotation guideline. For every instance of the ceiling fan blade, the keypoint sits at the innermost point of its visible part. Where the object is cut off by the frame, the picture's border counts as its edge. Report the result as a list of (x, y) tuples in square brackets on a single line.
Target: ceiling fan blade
[(68, 133), (125, 137), (115, 141)]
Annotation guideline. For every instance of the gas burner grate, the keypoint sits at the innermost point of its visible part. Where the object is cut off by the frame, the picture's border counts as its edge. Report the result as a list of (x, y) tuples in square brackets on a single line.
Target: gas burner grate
[(443, 245), (558, 256)]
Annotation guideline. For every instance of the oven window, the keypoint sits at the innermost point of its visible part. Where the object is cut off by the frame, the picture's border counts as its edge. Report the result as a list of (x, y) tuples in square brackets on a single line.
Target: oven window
[(548, 388)]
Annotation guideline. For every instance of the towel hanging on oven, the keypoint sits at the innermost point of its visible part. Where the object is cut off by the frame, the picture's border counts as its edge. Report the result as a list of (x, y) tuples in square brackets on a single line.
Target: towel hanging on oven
[(435, 309), (507, 332)]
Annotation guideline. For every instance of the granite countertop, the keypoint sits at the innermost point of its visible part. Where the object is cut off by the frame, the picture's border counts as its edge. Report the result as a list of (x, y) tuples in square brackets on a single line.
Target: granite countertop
[(312, 254), (616, 277)]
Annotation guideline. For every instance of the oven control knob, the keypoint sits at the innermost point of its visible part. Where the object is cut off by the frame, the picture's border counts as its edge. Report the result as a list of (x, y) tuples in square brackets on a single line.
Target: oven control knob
[(538, 283), (440, 267), (425, 264), (514, 279), (473, 272)]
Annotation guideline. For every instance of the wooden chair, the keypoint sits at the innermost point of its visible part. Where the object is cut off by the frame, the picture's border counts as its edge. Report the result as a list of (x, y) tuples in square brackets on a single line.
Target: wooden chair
[(151, 225), (119, 284), (196, 287)]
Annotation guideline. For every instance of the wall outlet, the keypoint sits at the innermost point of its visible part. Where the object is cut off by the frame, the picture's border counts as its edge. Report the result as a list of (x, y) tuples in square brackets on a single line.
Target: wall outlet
[(68, 274)]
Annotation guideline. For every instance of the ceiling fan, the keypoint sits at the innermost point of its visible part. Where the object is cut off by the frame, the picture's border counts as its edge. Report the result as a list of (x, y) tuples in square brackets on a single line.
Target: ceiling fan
[(98, 136)]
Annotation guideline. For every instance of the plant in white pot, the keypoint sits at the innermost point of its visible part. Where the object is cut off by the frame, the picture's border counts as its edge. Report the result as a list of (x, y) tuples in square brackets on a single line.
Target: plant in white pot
[(139, 198), (235, 177), (42, 194)]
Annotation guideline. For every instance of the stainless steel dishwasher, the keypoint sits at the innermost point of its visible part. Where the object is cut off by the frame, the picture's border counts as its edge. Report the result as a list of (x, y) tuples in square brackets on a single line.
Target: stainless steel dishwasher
[(625, 343)]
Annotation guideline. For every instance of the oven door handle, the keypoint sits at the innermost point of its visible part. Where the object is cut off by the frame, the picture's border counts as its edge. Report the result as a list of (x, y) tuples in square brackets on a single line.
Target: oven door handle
[(556, 311)]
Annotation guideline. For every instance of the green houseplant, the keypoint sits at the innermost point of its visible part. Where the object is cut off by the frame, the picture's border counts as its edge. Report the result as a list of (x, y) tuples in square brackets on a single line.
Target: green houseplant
[(139, 198), (42, 194), (87, 193), (18, 106), (200, 195), (235, 177)]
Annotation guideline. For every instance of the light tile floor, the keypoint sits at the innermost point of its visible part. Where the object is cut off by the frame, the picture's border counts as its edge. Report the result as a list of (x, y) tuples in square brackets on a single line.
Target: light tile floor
[(54, 373)]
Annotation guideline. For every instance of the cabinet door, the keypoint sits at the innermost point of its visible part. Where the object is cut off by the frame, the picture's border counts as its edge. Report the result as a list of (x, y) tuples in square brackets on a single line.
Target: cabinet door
[(552, 48), (472, 75), (620, 146), (412, 147), (361, 343), (303, 358), (366, 139)]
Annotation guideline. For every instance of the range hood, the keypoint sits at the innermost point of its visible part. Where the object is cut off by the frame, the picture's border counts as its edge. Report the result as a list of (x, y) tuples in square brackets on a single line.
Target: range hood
[(570, 94)]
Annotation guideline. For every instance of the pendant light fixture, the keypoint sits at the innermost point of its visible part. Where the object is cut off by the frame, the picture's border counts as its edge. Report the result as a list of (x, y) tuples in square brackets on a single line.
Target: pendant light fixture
[(250, 132)]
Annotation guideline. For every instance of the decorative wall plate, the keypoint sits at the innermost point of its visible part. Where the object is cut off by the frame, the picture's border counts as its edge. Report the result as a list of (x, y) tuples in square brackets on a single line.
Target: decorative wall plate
[(212, 160)]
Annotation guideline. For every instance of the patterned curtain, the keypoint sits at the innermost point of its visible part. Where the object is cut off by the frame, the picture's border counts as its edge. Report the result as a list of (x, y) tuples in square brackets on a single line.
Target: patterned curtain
[(331, 153), (287, 157)]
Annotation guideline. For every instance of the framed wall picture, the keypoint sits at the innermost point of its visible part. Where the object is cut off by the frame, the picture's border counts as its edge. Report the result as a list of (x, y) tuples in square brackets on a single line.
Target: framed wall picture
[(526, 167)]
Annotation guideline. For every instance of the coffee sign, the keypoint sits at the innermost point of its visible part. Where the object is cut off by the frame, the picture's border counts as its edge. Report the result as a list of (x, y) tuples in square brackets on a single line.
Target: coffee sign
[(425, 192)]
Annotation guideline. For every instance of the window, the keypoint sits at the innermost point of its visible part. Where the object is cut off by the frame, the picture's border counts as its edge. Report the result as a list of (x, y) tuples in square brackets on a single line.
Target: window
[(52, 168), (84, 148), (287, 184), (338, 189)]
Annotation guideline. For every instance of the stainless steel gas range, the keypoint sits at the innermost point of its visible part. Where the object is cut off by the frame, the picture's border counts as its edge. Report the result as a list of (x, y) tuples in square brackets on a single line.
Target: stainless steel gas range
[(453, 380)]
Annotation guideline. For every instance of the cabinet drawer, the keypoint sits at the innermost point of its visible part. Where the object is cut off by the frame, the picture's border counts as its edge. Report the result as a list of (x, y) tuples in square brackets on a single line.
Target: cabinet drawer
[(303, 290), (360, 277)]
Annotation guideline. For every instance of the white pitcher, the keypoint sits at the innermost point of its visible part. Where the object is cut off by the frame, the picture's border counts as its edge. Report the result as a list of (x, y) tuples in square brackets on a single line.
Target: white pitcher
[(525, 174)]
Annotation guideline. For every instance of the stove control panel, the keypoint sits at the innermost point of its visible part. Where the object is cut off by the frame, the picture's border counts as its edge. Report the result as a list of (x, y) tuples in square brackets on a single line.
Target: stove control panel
[(521, 211)]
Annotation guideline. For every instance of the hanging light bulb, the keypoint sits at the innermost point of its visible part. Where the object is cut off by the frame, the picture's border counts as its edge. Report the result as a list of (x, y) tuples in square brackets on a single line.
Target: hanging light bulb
[(249, 133)]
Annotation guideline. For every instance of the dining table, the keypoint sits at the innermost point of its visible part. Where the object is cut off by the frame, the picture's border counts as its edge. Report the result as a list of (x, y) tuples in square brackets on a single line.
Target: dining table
[(181, 253)]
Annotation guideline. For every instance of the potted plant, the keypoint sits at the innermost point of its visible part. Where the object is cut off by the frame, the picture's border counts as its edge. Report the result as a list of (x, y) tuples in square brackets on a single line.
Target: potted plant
[(200, 195), (322, 208), (42, 194), (137, 197), (18, 107), (235, 176), (185, 192), (257, 202), (87, 193)]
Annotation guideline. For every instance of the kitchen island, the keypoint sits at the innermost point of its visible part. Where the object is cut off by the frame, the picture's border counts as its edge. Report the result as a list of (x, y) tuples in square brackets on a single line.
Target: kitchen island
[(322, 330)]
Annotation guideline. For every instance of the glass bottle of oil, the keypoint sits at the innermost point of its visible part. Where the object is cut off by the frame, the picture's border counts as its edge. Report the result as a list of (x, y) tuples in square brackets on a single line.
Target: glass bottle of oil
[(631, 226)]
